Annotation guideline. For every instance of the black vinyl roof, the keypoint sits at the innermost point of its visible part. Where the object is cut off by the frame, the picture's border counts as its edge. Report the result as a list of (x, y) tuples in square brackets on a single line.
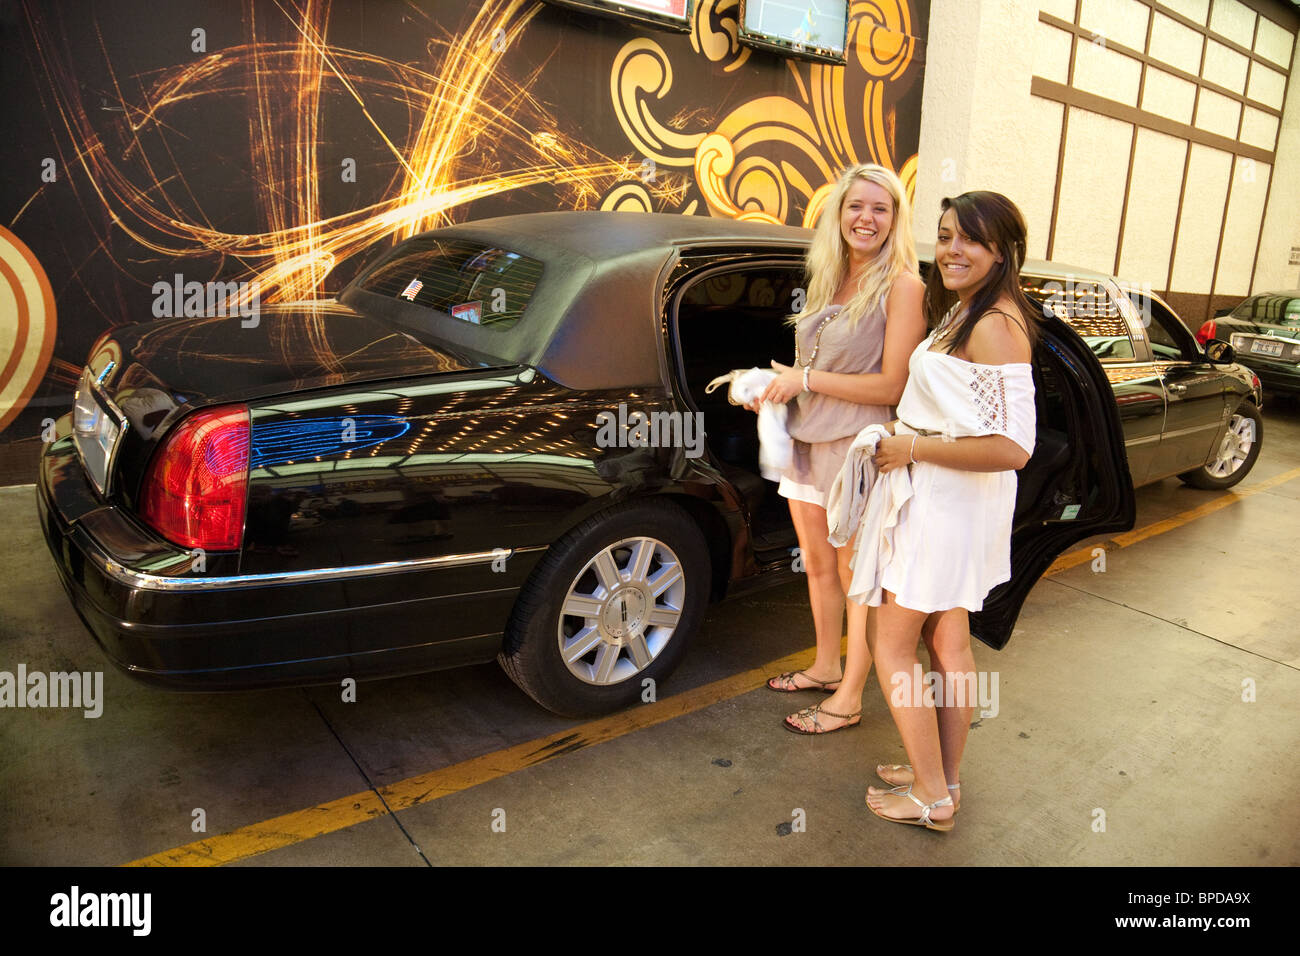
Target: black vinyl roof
[(594, 319), (601, 235)]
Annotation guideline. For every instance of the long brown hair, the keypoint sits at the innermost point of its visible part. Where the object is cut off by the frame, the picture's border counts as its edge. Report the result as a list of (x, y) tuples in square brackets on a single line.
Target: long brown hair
[(995, 222)]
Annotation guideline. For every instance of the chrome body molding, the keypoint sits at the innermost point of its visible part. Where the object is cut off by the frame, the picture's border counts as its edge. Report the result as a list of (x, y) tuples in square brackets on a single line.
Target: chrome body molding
[(1177, 432), (144, 581)]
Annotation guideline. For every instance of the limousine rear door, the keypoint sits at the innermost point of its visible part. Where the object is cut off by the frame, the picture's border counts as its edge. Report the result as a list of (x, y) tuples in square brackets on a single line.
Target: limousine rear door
[(1077, 483)]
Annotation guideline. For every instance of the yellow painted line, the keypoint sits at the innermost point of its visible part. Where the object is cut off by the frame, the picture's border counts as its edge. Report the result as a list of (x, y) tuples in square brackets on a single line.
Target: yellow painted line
[(1085, 554), (348, 811)]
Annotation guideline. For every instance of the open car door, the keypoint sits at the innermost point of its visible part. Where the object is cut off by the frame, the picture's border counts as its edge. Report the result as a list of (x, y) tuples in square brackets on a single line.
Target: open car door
[(1076, 484)]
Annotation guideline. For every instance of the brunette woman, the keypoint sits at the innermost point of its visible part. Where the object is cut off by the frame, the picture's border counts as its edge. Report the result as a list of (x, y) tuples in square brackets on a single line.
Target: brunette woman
[(936, 537)]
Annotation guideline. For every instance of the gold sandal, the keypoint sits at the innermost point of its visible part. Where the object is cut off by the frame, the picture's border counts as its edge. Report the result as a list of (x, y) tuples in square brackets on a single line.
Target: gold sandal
[(810, 713), (786, 682)]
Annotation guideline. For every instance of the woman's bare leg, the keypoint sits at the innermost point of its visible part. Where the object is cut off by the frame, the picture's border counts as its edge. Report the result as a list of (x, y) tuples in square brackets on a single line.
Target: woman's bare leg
[(954, 722), (847, 701), (950, 655), (898, 629), (825, 593)]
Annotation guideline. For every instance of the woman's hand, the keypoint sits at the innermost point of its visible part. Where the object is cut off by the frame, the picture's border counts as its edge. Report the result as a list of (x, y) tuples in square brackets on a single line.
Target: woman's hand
[(893, 452), (787, 384)]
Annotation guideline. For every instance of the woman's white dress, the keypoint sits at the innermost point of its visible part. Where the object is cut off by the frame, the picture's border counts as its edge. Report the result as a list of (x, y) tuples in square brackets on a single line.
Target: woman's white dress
[(936, 537)]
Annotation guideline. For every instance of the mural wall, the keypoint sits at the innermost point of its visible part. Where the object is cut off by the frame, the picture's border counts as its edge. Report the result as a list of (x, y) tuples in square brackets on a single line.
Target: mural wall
[(277, 140)]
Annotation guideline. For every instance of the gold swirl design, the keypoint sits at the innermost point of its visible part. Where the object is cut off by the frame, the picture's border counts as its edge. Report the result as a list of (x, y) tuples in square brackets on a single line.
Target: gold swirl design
[(773, 153), (715, 32), (641, 70), (908, 175), (627, 197), (760, 190), (881, 35), (815, 204), (713, 160)]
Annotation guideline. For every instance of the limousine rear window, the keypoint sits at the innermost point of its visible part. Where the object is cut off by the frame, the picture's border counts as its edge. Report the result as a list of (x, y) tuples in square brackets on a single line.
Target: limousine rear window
[(469, 281)]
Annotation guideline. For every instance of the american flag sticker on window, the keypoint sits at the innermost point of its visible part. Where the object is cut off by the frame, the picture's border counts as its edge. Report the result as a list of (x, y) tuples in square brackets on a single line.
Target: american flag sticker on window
[(412, 289)]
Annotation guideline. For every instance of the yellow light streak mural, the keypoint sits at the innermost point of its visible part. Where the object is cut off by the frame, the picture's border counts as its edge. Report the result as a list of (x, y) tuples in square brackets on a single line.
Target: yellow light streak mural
[(233, 162)]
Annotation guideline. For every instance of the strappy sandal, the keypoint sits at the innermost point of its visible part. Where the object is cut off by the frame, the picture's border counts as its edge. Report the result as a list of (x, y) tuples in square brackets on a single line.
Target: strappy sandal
[(787, 685), (943, 826), (954, 788), (810, 713)]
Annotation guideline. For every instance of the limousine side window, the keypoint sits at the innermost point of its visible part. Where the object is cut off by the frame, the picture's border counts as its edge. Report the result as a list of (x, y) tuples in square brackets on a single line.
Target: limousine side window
[(1169, 338), (1090, 311)]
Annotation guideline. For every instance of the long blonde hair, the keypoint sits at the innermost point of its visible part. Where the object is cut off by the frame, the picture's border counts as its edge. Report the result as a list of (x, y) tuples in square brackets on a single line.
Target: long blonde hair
[(827, 262)]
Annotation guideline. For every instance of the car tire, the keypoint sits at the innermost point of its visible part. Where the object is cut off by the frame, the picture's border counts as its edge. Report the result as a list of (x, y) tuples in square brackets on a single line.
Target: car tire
[(1235, 454), (612, 605)]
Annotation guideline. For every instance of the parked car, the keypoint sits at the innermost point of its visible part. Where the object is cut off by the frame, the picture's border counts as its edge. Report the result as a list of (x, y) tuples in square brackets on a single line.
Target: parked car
[(1188, 408), (488, 446), (1265, 331)]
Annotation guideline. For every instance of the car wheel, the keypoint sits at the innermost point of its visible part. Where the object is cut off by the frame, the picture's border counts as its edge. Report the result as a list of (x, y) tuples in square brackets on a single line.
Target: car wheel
[(612, 604), (1236, 453)]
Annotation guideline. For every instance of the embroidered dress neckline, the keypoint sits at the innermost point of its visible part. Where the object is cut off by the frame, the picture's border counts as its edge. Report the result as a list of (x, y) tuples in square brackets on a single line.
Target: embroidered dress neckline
[(977, 364), (955, 358)]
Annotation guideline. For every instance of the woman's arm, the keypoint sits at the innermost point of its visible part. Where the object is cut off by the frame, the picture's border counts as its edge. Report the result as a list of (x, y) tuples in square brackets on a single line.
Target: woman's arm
[(904, 330), (973, 453)]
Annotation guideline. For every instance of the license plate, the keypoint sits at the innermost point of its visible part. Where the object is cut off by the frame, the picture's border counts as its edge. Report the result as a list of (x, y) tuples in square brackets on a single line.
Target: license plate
[(1260, 347), (96, 427)]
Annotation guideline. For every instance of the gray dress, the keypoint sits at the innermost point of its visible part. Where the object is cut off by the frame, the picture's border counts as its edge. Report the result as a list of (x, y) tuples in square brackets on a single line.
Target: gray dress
[(822, 426)]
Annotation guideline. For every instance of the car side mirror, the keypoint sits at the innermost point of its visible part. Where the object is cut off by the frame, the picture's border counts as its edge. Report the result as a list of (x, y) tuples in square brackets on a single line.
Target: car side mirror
[(1220, 352)]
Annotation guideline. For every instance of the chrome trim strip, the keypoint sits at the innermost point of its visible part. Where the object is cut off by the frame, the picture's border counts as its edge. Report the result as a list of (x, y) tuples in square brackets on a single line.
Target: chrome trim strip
[(155, 582), (1194, 428), (1174, 434)]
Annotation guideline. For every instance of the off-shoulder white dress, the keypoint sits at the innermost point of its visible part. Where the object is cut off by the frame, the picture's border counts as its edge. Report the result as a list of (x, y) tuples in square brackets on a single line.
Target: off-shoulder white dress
[(936, 537)]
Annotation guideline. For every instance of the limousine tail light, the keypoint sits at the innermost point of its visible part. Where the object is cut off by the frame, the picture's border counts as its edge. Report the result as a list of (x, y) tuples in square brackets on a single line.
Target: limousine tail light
[(1207, 331), (197, 483)]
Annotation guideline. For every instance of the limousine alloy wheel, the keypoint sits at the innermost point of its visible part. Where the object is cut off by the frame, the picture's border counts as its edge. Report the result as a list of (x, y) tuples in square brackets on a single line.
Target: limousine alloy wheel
[(1235, 454), (609, 611)]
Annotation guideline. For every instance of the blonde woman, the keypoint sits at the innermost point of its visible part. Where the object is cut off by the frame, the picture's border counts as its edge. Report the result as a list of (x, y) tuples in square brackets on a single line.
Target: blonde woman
[(862, 320)]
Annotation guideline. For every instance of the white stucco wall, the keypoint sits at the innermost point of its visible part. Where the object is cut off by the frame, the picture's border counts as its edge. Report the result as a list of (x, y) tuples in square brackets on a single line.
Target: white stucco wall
[(982, 129), (1282, 218)]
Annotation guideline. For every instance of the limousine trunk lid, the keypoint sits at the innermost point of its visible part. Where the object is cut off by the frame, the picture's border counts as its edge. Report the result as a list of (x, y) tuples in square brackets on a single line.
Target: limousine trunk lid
[(145, 377)]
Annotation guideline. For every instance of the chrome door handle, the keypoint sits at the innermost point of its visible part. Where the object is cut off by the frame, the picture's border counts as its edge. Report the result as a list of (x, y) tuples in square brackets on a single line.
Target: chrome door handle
[(1177, 388)]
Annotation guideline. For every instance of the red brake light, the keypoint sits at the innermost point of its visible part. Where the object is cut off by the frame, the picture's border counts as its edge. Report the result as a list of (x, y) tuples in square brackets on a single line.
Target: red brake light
[(1207, 332), (197, 483)]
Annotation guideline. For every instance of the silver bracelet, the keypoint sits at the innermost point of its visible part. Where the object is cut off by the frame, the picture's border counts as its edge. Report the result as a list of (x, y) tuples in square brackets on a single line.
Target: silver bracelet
[(912, 451), (806, 370)]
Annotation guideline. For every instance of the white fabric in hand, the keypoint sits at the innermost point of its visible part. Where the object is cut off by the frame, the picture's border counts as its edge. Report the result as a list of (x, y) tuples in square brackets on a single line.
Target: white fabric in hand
[(775, 449), (847, 499)]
